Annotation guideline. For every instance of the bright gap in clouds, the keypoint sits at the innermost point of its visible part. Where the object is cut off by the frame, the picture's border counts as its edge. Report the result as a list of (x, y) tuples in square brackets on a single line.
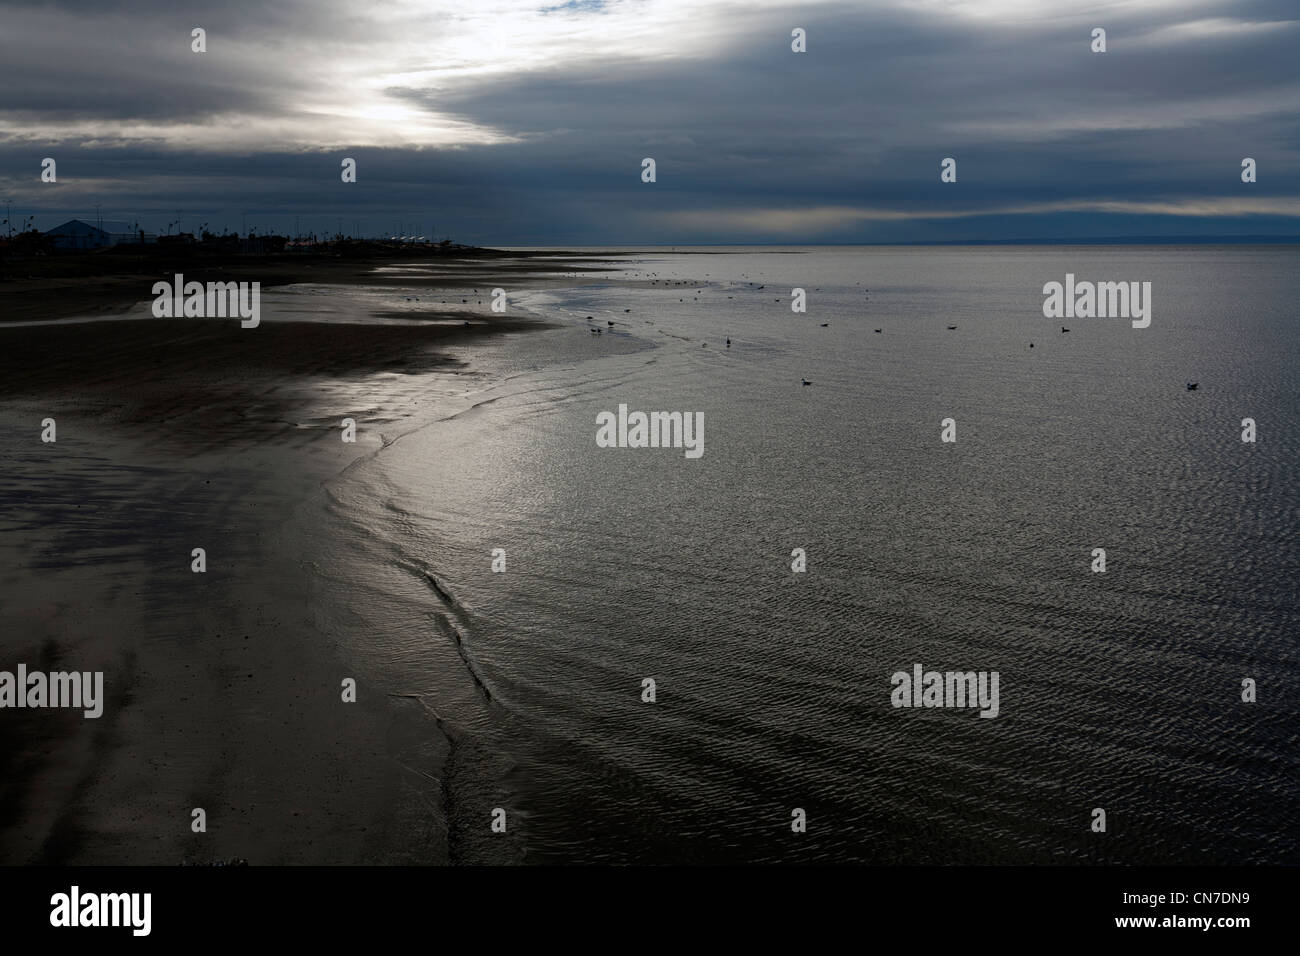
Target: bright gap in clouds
[(371, 75), (328, 74), (813, 221)]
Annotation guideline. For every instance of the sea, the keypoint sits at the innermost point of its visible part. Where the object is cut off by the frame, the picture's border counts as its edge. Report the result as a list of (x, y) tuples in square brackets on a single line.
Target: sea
[(628, 667)]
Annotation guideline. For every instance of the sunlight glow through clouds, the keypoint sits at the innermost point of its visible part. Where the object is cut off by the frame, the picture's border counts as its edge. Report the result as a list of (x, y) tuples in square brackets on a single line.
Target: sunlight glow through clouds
[(374, 75), (570, 96), (358, 91), (1047, 124), (1213, 28), (817, 220), (1022, 11)]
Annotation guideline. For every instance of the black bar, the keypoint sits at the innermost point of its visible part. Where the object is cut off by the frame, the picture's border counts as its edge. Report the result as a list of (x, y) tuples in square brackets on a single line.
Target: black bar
[(656, 905)]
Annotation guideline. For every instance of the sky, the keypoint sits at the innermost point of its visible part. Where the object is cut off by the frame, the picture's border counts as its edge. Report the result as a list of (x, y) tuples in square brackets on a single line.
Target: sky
[(500, 122)]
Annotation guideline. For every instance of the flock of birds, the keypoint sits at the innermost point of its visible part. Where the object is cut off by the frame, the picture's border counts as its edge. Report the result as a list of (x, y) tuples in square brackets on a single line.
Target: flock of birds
[(1191, 386)]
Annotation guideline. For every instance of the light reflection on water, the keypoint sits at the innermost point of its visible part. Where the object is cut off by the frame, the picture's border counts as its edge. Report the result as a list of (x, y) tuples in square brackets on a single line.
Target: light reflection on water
[(1118, 690)]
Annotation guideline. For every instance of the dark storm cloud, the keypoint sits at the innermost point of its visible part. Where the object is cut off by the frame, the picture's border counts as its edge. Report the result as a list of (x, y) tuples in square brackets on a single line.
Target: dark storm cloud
[(130, 60), (752, 141)]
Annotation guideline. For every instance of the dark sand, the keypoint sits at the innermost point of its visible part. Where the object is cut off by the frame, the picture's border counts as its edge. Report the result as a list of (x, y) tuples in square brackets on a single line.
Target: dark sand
[(103, 284), (175, 434)]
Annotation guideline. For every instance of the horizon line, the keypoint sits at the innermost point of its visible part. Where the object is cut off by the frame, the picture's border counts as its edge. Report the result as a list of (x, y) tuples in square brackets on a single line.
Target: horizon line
[(1069, 241)]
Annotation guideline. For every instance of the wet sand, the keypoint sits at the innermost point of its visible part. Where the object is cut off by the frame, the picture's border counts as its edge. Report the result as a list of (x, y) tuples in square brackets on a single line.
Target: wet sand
[(221, 692), (56, 287)]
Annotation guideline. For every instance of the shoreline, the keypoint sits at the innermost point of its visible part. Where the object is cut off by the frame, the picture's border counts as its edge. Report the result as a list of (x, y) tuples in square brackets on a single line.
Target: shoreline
[(97, 285), (223, 690)]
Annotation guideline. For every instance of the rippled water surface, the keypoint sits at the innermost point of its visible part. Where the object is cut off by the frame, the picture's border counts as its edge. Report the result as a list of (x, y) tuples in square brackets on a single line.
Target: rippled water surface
[(1119, 690)]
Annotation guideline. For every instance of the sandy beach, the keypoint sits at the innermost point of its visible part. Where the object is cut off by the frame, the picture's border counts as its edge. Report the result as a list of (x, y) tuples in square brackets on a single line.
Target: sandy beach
[(53, 287), (221, 694)]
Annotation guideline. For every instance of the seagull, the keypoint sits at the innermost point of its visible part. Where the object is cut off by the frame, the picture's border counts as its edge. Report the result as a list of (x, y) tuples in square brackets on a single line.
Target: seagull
[(825, 325), (951, 327), (728, 343), (805, 381), (1064, 329)]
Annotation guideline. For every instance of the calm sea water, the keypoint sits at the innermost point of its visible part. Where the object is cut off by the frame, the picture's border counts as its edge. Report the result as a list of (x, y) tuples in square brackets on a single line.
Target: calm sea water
[(1119, 690)]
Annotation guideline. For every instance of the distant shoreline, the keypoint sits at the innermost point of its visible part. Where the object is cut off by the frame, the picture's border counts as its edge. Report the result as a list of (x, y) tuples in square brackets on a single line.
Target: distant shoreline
[(685, 247), (107, 282)]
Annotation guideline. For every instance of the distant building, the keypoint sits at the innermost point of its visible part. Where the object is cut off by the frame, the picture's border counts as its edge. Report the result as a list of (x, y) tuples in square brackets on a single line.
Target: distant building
[(76, 234)]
